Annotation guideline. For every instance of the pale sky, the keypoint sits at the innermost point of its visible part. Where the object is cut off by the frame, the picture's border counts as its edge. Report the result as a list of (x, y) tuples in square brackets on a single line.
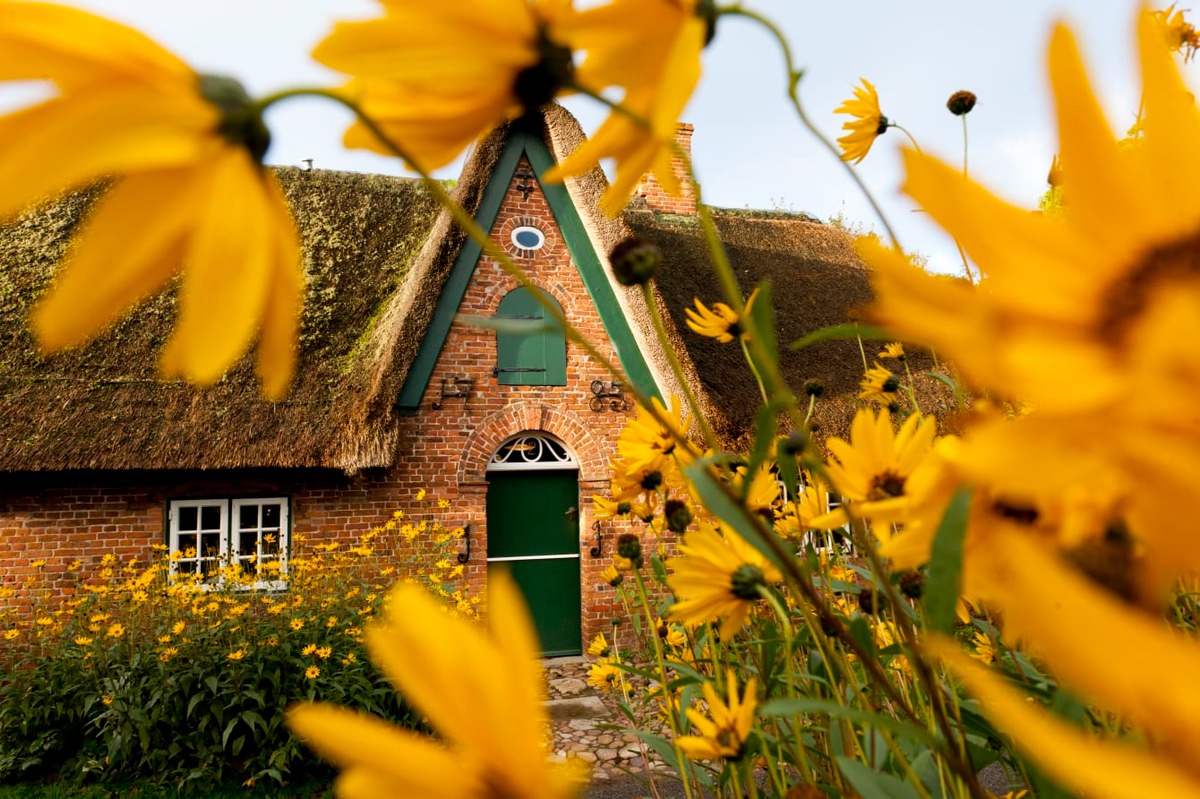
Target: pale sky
[(750, 150)]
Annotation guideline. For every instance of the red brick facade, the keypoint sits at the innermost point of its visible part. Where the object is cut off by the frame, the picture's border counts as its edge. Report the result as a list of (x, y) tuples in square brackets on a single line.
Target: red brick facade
[(656, 197), (446, 451)]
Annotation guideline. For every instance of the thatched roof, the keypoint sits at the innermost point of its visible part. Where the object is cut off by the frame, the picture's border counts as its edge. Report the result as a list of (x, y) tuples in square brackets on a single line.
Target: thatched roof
[(375, 251)]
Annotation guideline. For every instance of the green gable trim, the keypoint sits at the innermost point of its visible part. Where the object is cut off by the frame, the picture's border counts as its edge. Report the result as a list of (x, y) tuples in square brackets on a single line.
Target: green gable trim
[(456, 283), (578, 245), (592, 271)]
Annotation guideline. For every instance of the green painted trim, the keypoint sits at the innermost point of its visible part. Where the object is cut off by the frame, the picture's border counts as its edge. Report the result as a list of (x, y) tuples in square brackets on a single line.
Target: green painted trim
[(630, 356), (456, 283), (632, 361)]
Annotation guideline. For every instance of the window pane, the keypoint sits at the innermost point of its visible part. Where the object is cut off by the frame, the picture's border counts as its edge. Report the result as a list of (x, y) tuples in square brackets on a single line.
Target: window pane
[(248, 517), (210, 545), (270, 515), (210, 518), (187, 518)]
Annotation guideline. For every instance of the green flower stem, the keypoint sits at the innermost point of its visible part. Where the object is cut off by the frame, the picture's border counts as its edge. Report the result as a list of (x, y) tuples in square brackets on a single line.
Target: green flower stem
[(672, 715), (785, 624), (676, 367), (793, 80), (906, 132), (912, 395), (754, 370), (965, 143), (468, 225)]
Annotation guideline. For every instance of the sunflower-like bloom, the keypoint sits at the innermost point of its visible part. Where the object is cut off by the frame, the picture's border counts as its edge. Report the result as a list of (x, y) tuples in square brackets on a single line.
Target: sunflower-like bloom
[(1091, 319), (718, 577), (611, 575), (598, 648), (879, 384), (893, 350), (645, 443), (867, 125), (483, 694), (436, 76), (720, 322), (652, 48), (724, 731), (185, 151), (872, 469)]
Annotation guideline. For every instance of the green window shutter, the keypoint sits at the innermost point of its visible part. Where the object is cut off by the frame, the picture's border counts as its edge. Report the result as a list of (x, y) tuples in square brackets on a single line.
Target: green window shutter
[(538, 358)]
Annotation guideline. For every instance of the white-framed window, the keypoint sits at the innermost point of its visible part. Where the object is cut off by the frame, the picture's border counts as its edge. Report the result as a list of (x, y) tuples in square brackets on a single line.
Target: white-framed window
[(204, 535)]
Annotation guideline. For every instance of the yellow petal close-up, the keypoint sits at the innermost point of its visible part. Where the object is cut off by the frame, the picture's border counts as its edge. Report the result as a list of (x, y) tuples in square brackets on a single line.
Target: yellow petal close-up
[(1094, 767), (379, 759)]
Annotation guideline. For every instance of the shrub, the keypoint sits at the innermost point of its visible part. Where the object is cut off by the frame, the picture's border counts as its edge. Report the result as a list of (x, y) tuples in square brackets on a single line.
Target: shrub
[(145, 675)]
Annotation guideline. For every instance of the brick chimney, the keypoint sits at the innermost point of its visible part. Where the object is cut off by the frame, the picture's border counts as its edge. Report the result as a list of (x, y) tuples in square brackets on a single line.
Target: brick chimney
[(656, 197)]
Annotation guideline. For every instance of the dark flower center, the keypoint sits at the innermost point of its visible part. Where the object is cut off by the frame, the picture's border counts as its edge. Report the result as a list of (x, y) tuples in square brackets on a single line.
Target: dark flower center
[(883, 125), (744, 582), (888, 484), (241, 119), (1127, 298), (537, 85)]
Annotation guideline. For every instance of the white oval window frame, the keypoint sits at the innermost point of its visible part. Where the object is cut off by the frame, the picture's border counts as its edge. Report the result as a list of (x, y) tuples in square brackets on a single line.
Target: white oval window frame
[(519, 229)]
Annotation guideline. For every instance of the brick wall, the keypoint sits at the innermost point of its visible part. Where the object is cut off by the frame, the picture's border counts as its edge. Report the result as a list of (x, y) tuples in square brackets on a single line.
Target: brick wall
[(445, 451)]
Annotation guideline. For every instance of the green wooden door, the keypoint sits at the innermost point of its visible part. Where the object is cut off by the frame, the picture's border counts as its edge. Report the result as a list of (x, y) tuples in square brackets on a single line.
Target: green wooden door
[(533, 531)]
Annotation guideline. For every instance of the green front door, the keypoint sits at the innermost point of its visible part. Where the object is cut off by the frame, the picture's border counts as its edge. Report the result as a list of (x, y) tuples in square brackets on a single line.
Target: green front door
[(533, 531)]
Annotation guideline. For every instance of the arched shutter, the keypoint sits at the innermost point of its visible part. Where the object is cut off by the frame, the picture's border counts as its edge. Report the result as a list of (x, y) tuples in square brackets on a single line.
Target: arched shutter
[(537, 358)]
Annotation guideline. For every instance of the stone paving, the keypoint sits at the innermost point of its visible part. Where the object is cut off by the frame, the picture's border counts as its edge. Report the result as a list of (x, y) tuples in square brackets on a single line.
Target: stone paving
[(578, 716)]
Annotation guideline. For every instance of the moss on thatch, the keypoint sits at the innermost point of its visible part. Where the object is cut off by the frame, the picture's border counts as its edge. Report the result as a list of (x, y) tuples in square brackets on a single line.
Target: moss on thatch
[(102, 406)]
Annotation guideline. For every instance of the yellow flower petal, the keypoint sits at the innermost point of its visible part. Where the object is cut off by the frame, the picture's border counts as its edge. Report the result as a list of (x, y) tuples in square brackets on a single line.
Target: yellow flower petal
[(111, 269), (378, 755), (1090, 766)]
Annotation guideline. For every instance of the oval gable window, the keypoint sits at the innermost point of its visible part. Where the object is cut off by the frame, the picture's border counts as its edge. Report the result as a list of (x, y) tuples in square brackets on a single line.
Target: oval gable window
[(527, 237)]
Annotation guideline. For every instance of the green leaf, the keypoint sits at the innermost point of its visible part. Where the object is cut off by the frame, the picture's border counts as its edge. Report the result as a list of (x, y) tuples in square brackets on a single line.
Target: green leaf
[(947, 379), (713, 495), (799, 707), (945, 566), (762, 320), (871, 784), (836, 332), (764, 437), (521, 327)]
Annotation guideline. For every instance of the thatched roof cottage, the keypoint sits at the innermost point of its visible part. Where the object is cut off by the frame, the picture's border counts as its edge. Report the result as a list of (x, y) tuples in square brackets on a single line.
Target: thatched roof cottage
[(394, 393)]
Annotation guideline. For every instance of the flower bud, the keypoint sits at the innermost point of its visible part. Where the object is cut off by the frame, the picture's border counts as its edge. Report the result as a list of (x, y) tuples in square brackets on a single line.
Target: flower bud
[(635, 261), (961, 103), (678, 515), (629, 546)]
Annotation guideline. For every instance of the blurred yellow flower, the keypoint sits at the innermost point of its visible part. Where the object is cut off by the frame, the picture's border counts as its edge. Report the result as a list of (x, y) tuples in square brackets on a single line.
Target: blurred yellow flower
[(724, 731), (324, 652), (11, 634), (178, 627), (236, 654), (168, 653), (312, 672), (1091, 319), (652, 48), (186, 152), (308, 650), (483, 694), (115, 630), (1078, 760), (40, 563), (1176, 31), (894, 350), (83, 640), (718, 577), (436, 76), (868, 122)]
